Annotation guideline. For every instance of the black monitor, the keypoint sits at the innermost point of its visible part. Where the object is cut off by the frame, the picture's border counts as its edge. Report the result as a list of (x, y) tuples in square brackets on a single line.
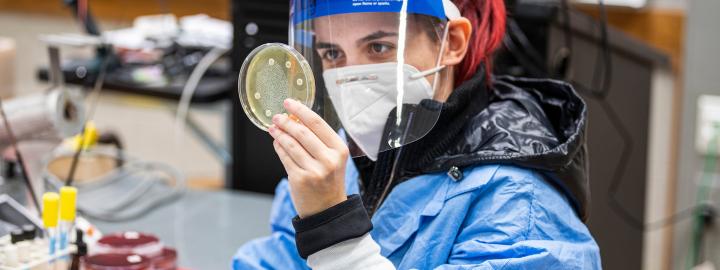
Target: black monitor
[(255, 167)]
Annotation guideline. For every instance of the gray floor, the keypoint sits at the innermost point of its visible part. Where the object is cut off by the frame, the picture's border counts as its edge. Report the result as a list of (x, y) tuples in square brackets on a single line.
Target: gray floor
[(146, 125)]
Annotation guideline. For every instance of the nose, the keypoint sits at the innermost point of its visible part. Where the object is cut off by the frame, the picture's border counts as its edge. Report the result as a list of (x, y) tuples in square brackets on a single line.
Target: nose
[(357, 58)]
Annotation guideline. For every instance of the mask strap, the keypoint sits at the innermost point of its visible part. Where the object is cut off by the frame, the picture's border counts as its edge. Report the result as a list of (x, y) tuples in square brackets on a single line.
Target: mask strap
[(437, 67), (444, 42), (426, 73)]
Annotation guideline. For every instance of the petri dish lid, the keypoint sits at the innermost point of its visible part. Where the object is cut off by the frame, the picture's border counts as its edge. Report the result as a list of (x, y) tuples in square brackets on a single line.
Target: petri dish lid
[(128, 239), (112, 261), (270, 74), (129, 242)]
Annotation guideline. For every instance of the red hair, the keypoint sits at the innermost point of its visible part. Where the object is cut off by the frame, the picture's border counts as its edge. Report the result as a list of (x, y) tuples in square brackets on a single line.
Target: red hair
[(488, 20)]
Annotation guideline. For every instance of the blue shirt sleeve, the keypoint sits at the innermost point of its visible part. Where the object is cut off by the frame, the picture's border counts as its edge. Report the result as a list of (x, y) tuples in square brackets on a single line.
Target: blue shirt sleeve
[(278, 249), (519, 221)]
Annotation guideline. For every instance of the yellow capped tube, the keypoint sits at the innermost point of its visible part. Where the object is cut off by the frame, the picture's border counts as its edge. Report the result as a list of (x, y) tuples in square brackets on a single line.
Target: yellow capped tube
[(50, 213), (51, 203), (68, 201), (68, 209), (87, 139)]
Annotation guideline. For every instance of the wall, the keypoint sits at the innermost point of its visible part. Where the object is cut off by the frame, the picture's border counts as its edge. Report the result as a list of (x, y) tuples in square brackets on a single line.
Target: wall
[(661, 28), (669, 4), (124, 9), (702, 68)]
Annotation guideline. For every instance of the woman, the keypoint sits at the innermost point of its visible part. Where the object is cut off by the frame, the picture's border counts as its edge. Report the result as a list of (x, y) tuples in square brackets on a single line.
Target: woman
[(448, 166)]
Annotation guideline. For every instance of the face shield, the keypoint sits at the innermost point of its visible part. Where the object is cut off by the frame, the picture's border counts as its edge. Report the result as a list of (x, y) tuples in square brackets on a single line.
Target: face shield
[(376, 66)]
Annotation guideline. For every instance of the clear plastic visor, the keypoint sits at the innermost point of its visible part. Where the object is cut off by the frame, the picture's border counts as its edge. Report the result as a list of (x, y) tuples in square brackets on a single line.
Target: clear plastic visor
[(377, 75)]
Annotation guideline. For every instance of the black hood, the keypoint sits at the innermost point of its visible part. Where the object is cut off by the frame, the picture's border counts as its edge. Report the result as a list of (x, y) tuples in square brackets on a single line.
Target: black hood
[(533, 123)]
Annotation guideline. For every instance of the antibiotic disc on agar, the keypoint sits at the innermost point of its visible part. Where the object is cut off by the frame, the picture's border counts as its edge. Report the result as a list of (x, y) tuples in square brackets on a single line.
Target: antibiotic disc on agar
[(270, 74)]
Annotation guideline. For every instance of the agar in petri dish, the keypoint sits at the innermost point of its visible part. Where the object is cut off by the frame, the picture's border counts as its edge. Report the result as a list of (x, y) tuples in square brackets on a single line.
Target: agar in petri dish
[(270, 74)]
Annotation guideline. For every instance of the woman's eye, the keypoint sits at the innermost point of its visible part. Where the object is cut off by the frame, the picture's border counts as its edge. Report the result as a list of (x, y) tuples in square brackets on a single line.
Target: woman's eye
[(379, 48), (332, 55)]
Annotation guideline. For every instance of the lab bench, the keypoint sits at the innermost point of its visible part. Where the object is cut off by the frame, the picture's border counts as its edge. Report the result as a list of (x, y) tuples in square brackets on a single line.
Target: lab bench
[(205, 227)]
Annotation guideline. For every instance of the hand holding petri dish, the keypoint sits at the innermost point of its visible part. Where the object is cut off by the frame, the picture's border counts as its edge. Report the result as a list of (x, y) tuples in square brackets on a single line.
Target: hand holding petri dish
[(270, 74)]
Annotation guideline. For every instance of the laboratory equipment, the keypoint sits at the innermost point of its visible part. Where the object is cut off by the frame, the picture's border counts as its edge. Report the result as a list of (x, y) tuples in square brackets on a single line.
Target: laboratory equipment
[(30, 254), (81, 251), (138, 186), (68, 201), (22, 242), (127, 243), (147, 246), (15, 216), (23, 247), (270, 74), (49, 116), (50, 210), (117, 261), (46, 116)]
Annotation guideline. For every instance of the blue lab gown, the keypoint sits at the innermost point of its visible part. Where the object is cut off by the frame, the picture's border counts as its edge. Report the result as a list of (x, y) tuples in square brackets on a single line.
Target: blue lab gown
[(519, 203), (495, 217)]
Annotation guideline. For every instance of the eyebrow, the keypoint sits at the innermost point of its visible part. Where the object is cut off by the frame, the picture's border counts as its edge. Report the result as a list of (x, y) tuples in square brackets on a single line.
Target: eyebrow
[(370, 37), (324, 45), (376, 35)]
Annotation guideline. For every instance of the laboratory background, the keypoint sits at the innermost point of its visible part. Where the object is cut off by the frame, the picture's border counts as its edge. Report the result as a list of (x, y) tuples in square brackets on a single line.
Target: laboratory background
[(123, 132)]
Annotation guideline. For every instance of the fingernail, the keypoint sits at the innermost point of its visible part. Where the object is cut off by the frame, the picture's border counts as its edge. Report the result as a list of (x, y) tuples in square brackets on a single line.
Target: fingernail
[(276, 118), (294, 118), (288, 102)]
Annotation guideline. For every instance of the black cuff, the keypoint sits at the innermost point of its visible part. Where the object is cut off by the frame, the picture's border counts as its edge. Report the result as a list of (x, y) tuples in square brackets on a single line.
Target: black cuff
[(344, 221)]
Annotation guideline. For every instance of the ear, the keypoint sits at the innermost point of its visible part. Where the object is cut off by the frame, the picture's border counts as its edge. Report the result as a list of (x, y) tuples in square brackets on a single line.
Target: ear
[(458, 39)]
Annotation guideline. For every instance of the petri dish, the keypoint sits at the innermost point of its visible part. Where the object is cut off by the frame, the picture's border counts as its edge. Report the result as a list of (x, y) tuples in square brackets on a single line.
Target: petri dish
[(117, 262), (270, 74), (166, 261), (129, 242)]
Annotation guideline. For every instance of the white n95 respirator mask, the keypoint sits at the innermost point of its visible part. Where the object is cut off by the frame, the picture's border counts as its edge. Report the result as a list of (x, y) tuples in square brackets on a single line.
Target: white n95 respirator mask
[(365, 95)]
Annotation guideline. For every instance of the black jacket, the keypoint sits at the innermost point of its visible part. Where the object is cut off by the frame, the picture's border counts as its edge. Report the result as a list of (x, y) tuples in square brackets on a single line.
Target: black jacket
[(538, 124), (533, 123)]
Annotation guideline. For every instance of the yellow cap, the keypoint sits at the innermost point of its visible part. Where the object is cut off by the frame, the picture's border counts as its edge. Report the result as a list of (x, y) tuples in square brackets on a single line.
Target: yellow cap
[(51, 201), (88, 139), (68, 199)]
